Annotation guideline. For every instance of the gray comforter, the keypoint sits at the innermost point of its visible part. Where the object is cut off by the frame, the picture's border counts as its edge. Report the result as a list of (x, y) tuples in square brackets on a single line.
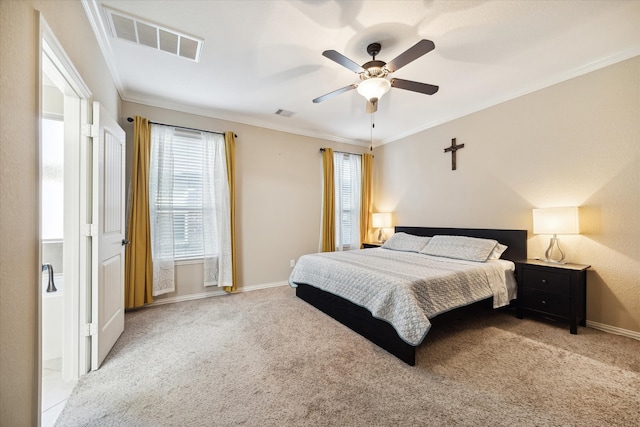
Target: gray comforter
[(404, 288)]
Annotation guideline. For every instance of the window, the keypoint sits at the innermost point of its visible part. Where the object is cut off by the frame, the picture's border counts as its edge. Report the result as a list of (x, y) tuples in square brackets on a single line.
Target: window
[(180, 191), (347, 178), (52, 179), (189, 205)]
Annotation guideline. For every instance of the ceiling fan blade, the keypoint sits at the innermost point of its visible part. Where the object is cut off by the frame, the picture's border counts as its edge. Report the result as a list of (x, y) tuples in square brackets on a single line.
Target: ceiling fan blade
[(343, 60), (334, 93), (414, 52), (414, 86), (372, 107)]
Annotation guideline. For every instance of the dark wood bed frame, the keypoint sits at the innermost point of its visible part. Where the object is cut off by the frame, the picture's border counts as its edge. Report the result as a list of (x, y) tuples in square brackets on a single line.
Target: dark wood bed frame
[(381, 332)]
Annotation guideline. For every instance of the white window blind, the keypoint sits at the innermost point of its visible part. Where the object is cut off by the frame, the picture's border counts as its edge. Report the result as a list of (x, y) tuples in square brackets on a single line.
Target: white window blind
[(347, 178), (184, 201)]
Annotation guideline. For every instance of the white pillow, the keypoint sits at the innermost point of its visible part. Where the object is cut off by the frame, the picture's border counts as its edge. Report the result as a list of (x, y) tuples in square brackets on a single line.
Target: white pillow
[(460, 247), (498, 251), (406, 242)]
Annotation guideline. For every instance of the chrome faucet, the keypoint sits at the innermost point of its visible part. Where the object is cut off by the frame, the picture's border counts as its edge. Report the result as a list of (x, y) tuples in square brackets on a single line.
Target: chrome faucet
[(51, 287)]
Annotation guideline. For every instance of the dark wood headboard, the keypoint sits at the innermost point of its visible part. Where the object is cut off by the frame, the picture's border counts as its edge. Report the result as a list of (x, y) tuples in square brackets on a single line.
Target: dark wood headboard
[(516, 240)]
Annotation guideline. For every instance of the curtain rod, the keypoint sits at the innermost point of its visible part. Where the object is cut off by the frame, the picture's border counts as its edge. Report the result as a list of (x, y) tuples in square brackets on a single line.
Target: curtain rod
[(130, 120), (341, 152)]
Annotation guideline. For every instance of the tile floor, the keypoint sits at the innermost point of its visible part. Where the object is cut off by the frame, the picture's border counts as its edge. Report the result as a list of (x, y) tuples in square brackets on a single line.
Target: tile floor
[(55, 391)]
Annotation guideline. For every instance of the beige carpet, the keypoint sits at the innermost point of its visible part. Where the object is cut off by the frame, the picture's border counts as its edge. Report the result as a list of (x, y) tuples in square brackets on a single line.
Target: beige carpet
[(266, 358)]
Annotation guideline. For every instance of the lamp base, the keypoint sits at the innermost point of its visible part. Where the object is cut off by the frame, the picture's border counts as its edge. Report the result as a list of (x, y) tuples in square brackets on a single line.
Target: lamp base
[(554, 254), (382, 237)]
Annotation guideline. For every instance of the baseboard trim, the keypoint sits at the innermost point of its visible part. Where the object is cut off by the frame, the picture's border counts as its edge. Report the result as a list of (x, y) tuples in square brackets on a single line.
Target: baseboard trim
[(216, 293), (614, 330)]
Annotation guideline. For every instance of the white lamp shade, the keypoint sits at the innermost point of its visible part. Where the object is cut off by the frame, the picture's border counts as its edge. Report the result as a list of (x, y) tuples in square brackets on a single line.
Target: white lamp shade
[(556, 221), (381, 220), (374, 88)]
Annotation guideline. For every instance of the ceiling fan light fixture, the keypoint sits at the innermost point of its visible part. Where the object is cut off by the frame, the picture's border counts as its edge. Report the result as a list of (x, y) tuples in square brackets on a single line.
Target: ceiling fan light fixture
[(373, 74), (374, 88)]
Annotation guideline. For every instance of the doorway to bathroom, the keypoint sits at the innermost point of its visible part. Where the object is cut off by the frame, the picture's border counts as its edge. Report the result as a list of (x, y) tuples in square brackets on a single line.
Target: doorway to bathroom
[(81, 202), (62, 96), (56, 387)]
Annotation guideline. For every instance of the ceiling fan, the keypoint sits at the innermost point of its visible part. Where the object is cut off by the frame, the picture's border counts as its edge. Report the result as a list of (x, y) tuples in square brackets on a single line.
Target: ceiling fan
[(373, 74)]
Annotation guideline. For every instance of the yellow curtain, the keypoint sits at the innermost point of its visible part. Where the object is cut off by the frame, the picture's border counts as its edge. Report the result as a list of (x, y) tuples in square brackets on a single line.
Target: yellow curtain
[(365, 200), (138, 264), (328, 214), (230, 149)]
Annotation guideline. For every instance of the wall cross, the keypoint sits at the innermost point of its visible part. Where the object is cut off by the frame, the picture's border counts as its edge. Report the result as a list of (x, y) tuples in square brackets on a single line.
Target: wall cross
[(453, 150)]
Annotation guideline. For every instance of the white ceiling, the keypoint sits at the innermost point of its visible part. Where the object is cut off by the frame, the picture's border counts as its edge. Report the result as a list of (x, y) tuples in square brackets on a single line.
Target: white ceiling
[(261, 56)]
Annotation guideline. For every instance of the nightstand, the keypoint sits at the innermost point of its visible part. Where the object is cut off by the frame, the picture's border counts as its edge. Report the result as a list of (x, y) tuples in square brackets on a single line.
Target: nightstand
[(555, 290), (367, 245)]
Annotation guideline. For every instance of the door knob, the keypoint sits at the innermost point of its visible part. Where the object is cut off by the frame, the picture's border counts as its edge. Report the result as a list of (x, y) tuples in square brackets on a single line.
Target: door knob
[(125, 242)]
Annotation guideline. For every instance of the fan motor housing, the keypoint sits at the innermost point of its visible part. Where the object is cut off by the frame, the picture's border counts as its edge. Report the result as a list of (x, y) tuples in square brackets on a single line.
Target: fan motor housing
[(374, 68)]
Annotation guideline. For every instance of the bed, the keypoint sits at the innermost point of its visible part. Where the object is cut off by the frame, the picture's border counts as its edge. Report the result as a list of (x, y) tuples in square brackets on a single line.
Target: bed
[(388, 302)]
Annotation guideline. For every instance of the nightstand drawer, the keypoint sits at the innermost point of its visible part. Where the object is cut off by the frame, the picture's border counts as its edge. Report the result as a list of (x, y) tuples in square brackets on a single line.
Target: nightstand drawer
[(545, 302), (546, 281)]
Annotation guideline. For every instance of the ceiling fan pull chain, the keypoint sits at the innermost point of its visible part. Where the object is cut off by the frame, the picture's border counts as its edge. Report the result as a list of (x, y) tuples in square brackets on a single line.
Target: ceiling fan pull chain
[(371, 133)]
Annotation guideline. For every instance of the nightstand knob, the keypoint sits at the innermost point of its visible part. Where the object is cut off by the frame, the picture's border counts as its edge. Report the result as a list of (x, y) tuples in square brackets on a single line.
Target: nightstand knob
[(544, 280), (544, 302)]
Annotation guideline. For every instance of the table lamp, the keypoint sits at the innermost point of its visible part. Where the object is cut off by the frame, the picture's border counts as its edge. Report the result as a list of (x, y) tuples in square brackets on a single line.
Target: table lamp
[(555, 221), (381, 220)]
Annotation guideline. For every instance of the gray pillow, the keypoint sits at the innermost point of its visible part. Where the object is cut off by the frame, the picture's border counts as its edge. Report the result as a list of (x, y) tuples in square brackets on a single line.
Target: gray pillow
[(406, 242)]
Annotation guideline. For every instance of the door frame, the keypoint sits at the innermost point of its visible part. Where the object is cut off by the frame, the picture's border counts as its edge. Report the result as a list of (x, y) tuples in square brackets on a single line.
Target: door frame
[(53, 60)]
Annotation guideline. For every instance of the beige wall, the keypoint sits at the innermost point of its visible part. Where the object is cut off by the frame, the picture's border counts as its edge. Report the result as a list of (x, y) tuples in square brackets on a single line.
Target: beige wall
[(572, 144), (278, 197), (19, 269)]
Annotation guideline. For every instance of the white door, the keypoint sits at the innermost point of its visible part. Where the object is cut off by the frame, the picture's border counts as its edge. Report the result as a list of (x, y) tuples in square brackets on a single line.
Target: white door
[(107, 291)]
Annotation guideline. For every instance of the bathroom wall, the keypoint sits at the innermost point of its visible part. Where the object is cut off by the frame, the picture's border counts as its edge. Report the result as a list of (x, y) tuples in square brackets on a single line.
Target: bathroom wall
[(52, 254)]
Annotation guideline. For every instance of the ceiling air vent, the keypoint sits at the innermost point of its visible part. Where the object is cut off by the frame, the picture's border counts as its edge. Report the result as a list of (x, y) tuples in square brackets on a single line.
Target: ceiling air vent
[(145, 33)]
